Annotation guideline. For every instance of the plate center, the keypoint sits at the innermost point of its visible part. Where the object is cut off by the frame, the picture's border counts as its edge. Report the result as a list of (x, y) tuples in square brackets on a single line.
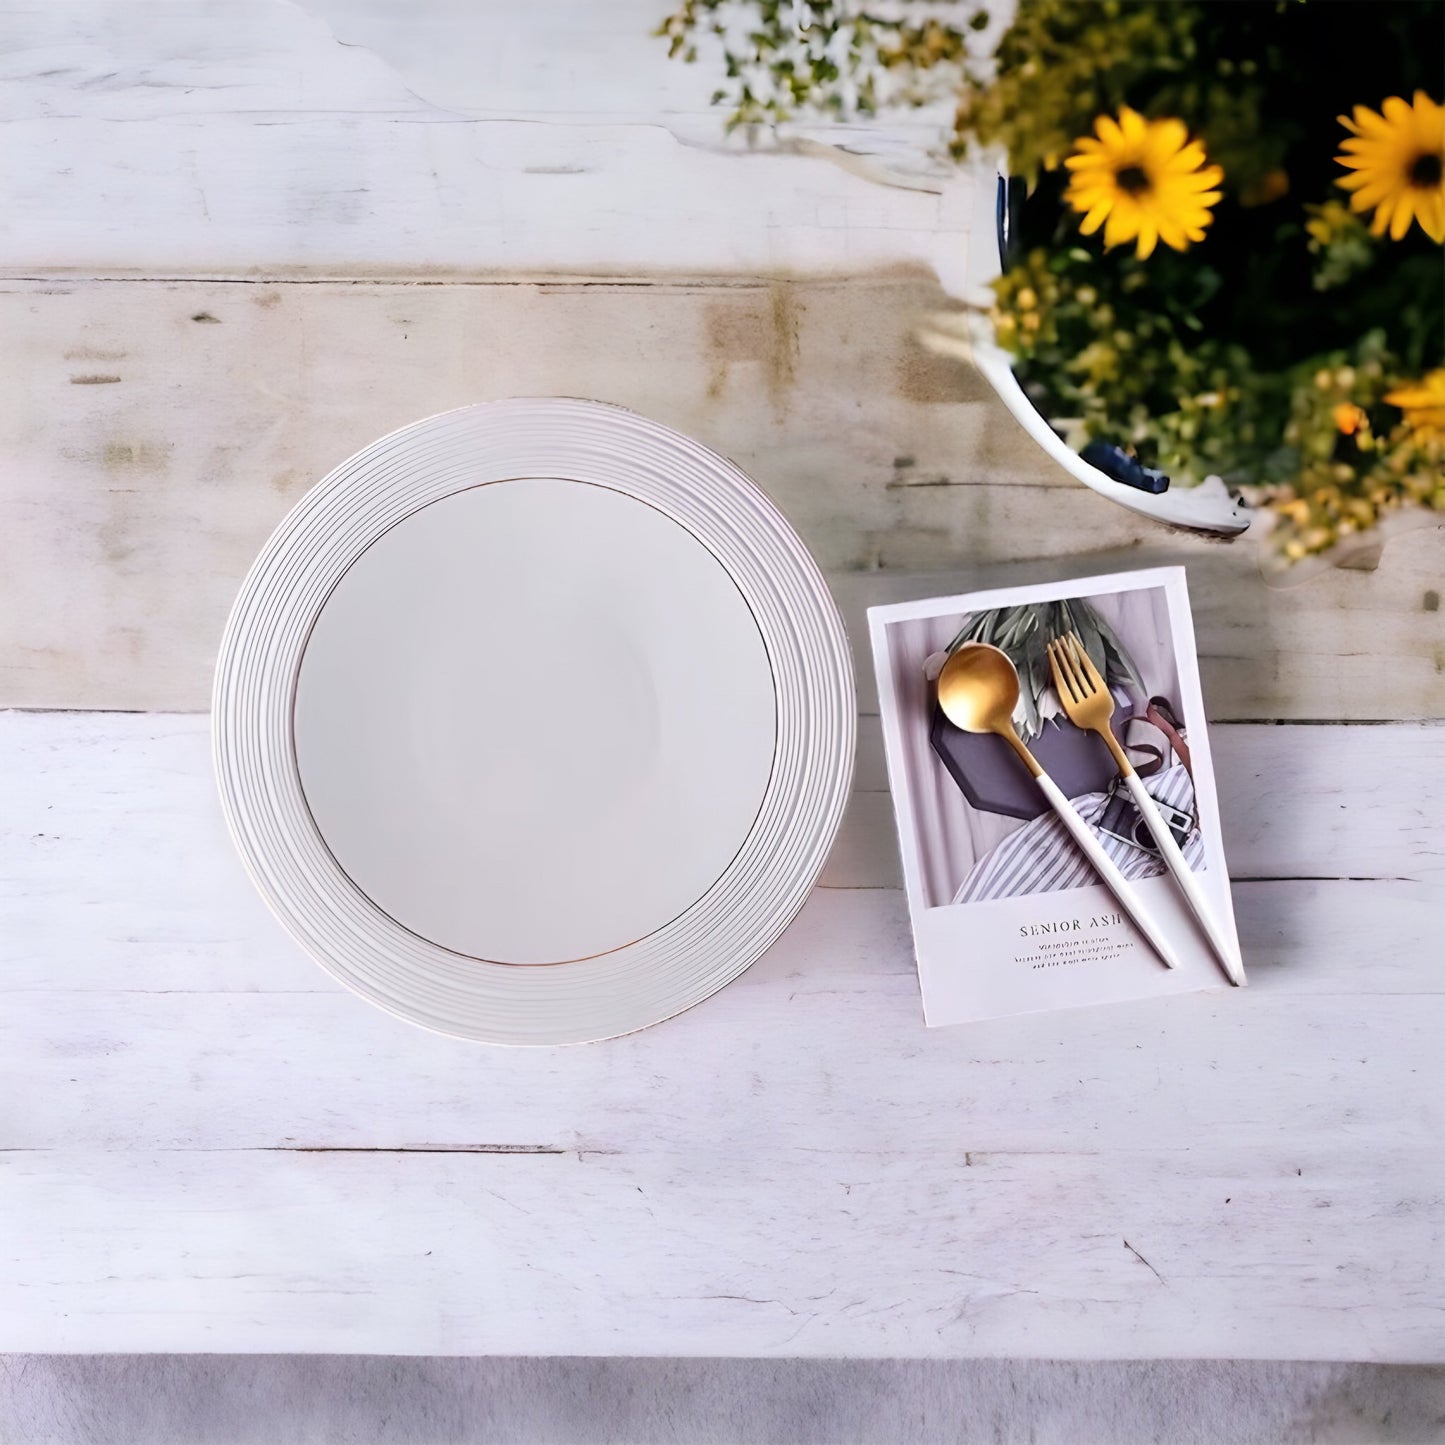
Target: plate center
[(535, 721)]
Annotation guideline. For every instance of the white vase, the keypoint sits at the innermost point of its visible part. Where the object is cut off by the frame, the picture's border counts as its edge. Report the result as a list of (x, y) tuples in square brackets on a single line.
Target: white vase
[(1208, 507)]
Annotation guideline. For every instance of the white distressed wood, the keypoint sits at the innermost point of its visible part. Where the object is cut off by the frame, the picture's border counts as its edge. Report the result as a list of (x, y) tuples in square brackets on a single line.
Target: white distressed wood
[(211, 1146), (137, 503), (575, 61), (244, 137), (1232, 1255), (206, 1145), (1321, 1049)]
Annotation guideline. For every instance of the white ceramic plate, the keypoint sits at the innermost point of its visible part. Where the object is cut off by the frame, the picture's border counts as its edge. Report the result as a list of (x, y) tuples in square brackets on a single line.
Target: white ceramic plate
[(534, 722)]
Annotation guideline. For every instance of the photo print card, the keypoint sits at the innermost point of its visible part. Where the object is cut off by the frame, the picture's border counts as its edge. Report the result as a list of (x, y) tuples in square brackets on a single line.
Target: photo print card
[(1009, 914)]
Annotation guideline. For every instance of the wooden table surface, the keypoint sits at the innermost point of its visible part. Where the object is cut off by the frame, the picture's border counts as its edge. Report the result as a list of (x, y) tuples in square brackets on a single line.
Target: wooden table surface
[(241, 241)]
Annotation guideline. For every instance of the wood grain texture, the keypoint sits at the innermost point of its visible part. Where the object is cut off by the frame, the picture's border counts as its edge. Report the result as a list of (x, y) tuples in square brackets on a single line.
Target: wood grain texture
[(136, 503), (210, 1146), (246, 137)]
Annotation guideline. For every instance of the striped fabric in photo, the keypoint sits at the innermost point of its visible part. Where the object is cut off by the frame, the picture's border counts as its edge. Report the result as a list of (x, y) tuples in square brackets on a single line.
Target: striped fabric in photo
[(1041, 857)]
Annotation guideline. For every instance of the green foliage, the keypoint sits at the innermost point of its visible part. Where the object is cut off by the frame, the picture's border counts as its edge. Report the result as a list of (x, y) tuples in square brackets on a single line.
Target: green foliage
[(1061, 63), (824, 57), (1340, 242), (1105, 353), (1339, 486)]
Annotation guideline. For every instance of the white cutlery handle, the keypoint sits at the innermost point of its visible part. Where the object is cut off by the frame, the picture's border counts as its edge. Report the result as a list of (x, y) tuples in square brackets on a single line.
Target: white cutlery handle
[(1107, 869), (1184, 876)]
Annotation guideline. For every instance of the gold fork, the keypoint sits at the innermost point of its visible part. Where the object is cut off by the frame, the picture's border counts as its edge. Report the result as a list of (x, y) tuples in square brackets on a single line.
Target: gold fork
[(1090, 705)]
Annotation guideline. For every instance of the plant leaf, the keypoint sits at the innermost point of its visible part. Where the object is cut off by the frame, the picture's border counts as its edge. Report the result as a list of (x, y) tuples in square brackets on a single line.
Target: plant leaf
[(1110, 639)]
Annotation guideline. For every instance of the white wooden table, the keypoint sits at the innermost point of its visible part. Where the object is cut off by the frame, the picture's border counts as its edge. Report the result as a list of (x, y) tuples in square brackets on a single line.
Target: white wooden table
[(237, 249)]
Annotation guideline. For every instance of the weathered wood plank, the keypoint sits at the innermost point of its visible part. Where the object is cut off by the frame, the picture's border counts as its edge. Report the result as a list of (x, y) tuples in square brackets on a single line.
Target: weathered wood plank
[(138, 503), (174, 138), (133, 506), (1322, 1045), (1277, 1253)]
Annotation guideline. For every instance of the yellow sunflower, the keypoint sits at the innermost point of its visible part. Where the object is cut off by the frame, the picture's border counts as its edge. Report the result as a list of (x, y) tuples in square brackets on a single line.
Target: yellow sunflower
[(1423, 403), (1142, 179), (1397, 162)]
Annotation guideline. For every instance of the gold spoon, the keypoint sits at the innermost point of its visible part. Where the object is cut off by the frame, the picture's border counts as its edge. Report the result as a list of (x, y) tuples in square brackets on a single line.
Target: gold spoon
[(978, 690)]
